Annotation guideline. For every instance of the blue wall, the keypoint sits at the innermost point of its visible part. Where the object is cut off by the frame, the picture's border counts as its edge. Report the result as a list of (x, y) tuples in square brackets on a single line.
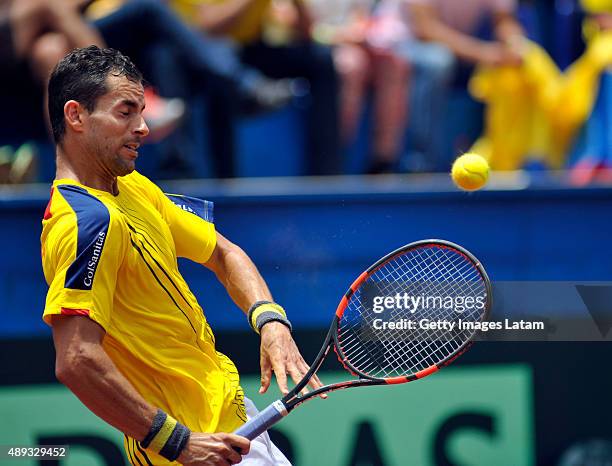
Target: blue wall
[(311, 239)]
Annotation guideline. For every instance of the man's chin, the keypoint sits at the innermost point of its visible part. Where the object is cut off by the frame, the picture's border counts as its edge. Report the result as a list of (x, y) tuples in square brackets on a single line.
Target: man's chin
[(125, 168)]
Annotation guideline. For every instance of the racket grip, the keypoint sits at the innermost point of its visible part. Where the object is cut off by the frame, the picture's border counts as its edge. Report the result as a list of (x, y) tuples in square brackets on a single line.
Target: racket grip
[(263, 421)]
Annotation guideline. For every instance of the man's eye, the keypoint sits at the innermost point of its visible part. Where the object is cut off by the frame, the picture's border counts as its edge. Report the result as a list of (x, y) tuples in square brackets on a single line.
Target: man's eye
[(125, 113)]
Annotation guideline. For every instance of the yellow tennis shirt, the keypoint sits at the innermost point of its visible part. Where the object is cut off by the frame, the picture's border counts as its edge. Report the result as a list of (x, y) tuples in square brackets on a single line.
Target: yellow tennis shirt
[(246, 29), (114, 259)]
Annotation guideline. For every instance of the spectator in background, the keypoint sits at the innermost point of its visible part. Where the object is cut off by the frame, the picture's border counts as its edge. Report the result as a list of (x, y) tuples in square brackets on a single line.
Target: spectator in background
[(243, 21), (41, 32), (534, 111), (365, 60), (38, 33), (158, 41), (593, 158), (34, 36), (438, 33)]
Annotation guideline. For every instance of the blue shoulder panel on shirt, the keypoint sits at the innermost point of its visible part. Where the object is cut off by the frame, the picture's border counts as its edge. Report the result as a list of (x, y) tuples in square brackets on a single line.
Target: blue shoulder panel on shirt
[(93, 220), (199, 207)]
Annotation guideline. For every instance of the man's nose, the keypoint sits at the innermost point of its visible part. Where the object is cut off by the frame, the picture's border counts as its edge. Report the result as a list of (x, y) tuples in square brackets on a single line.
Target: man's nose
[(142, 129)]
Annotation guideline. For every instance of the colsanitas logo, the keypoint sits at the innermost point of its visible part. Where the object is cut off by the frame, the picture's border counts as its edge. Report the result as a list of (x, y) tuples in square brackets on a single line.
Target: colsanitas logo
[(95, 257), (186, 208)]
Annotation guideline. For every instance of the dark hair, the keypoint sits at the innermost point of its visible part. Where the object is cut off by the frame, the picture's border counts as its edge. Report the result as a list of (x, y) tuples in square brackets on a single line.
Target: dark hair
[(81, 76)]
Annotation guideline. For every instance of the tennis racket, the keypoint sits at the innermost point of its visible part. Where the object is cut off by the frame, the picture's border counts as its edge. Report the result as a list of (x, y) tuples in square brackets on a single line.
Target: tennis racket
[(425, 282)]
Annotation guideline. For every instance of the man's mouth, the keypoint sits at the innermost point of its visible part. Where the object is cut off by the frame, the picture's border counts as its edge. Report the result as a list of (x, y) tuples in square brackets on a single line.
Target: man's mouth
[(132, 147)]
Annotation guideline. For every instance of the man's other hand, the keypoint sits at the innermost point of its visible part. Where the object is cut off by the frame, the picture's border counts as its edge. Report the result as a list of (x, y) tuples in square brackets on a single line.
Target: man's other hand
[(280, 354), (214, 449)]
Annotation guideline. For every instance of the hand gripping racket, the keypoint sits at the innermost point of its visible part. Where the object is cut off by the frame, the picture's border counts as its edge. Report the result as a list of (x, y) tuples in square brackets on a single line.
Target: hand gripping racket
[(427, 283)]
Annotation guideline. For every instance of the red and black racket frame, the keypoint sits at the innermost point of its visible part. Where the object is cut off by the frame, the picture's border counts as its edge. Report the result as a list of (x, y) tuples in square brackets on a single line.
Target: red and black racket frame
[(280, 408), (292, 399)]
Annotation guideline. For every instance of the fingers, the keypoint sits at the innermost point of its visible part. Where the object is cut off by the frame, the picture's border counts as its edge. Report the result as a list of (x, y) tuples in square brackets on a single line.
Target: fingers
[(314, 381), (219, 449), (266, 374), (281, 377), (303, 370), (297, 373), (240, 443), (235, 447), (280, 354), (232, 456)]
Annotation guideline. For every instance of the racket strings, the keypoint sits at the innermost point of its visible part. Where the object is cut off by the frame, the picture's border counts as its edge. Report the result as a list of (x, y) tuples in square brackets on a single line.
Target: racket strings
[(441, 285), (387, 276), (377, 342)]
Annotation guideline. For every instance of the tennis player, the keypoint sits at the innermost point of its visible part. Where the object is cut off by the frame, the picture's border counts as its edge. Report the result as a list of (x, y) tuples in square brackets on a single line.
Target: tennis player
[(131, 340)]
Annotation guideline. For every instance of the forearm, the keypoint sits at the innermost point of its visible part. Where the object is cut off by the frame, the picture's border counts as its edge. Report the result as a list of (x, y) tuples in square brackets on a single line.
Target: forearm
[(465, 47), (97, 382), (507, 29), (84, 367), (67, 19), (219, 18), (427, 26), (238, 274), (242, 280), (80, 33), (245, 285)]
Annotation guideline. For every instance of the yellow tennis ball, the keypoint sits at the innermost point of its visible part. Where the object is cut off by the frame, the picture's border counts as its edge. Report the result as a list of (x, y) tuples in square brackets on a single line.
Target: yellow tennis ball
[(470, 172)]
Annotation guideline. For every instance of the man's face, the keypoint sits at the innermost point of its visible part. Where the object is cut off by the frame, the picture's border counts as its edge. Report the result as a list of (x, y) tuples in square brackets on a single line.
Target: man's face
[(115, 128)]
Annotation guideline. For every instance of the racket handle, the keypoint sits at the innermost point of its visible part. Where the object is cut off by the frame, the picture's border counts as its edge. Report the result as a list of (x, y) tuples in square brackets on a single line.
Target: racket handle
[(263, 421)]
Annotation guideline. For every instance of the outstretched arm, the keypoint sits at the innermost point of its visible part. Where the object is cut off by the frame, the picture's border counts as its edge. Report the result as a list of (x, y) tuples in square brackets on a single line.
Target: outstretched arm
[(246, 286), (236, 271)]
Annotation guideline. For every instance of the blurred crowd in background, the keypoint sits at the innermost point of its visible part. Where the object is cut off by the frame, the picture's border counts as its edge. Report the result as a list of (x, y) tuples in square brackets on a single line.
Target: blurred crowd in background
[(370, 86)]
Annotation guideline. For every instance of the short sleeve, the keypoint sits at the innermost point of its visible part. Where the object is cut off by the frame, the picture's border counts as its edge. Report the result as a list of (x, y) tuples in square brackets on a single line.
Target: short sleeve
[(190, 219), (82, 251), (191, 223)]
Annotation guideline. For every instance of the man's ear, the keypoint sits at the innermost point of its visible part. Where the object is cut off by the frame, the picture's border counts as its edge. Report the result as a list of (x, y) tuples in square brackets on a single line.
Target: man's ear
[(73, 115)]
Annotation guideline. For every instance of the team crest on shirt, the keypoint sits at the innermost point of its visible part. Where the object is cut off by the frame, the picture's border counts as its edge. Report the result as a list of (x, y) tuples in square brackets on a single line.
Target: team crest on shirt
[(193, 205)]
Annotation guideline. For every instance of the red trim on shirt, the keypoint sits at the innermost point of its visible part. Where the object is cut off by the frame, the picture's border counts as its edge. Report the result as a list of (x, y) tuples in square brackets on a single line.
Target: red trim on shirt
[(47, 215), (75, 312)]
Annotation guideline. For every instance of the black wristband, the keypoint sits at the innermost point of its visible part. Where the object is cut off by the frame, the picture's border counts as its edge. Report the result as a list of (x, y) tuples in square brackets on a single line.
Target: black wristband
[(252, 308), (176, 442), (263, 312), (158, 422), (266, 317), (167, 436)]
